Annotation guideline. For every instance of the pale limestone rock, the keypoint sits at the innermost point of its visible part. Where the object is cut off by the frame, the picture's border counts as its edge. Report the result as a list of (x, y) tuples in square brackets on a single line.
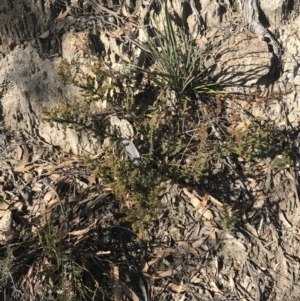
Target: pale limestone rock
[(275, 11), (124, 127), (238, 65), (211, 13), (27, 80), (5, 227), (74, 45)]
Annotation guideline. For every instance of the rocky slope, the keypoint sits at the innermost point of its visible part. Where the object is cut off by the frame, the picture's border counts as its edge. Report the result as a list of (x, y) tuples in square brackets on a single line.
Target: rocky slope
[(246, 60), (254, 50)]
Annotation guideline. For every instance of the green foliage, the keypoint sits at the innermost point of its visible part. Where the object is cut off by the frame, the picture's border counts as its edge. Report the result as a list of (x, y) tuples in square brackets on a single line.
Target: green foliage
[(281, 161), (64, 72), (64, 274), (137, 189), (50, 244), (6, 263), (260, 141), (75, 288), (68, 114), (97, 86), (174, 131), (168, 153), (173, 135), (228, 222), (257, 140), (177, 63)]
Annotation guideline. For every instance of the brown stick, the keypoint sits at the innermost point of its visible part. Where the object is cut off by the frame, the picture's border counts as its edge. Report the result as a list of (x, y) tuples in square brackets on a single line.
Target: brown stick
[(103, 8)]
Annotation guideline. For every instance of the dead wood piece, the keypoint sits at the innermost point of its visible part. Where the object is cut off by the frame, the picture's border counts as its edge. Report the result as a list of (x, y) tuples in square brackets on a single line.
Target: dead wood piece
[(103, 8), (253, 233), (244, 292)]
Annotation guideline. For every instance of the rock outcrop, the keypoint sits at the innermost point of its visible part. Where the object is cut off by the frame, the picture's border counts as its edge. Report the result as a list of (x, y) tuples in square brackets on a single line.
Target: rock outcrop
[(255, 45)]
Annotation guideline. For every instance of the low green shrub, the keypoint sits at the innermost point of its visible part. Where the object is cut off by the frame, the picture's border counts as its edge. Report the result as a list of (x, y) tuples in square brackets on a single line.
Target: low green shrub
[(257, 140)]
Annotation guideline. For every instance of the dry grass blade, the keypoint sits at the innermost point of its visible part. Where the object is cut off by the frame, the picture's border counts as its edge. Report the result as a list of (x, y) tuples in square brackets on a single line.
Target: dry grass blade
[(291, 175), (127, 291), (102, 8), (254, 234), (255, 281), (60, 202)]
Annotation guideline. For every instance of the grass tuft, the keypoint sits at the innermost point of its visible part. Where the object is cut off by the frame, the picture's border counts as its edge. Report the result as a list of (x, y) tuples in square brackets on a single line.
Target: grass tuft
[(176, 62)]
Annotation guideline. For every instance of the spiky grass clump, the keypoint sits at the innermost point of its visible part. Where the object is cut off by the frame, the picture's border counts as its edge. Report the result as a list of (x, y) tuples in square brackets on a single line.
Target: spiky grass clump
[(176, 62)]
